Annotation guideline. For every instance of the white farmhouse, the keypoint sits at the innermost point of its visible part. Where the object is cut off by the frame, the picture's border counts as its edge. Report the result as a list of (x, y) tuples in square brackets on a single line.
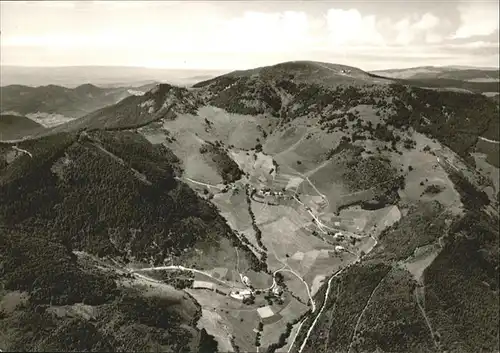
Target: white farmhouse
[(242, 294), (339, 248), (246, 281)]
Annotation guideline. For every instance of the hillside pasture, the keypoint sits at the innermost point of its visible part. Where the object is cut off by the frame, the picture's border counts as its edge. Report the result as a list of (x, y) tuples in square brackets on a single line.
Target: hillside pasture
[(282, 231), (242, 324), (234, 208), (272, 332), (356, 197), (328, 180), (310, 152), (229, 282), (281, 140), (365, 245), (324, 267), (367, 113), (357, 220), (256, 164), (421, 259), (381, 219), (208, 256), (212, 123), (213, 323), (186, 145), (293, 310), (422, 169), (295, 286), (302, 262), (284, 181), (487, 170), (259, 279), (232, 317), (491, 150), (154, 136)]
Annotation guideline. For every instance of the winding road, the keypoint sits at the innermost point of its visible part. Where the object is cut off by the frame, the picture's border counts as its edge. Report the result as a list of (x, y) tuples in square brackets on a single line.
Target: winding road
[(200, 183), (22, 151), (295, 337), (286, 268), (426, 318), (193, 270), (181, 268), (327, 294), (488, 140), (303, 345), (313, 325), (358, 322)]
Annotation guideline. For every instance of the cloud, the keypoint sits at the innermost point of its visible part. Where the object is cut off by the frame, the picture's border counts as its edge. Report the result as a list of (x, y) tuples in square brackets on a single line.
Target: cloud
[(477, 19), (212, 35), (351, 28), (253, 32), (409, 32), (427, 22), (132, 4), (51, 4), (259, 31)]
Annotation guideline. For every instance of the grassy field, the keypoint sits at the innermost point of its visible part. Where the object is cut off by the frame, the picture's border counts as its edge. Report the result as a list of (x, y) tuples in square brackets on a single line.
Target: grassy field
[(491, 173), (381, 219), (209, 256), (271, 332), (284, 237), (282, 140), (186, 145), (230, 317), (324, 267), (357, 220), (492, 151), (425, 171), (420, 260), (257, 166), (212, 123), (308, 153), (259, 279), (214, 324), (234, 208), (328, 180), (188, 132), (10, 300)]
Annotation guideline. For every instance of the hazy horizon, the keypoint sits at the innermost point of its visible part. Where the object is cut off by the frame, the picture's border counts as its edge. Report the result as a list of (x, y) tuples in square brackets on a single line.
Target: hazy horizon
[(73, 76), (221, 70), (226, 35)]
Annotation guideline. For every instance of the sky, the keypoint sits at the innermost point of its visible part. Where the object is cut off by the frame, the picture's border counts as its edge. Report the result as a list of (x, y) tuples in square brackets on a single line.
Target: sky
[(228, 35)]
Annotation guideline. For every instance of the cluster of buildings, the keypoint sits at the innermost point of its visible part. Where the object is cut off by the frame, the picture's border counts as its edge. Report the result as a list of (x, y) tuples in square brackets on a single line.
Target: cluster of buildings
[(241, 294), (269, 192), (339, 248), (244, 293), (266, 313), (249, 292)]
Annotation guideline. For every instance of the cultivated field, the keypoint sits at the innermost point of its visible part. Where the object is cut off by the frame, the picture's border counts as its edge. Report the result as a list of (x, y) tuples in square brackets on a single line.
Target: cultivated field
[(420, 260), (271, 332)]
